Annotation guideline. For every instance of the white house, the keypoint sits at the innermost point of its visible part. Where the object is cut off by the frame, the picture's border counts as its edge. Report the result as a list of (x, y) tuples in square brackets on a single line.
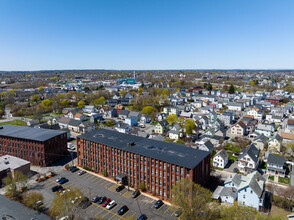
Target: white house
[(250, 188), (122, 127), (175, 132), (220, 159), (248, 159), (256, 113), (266, 129), (232, 106)]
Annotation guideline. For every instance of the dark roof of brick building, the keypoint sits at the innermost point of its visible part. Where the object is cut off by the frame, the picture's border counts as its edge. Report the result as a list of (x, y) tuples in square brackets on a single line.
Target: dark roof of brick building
[(169, 152)]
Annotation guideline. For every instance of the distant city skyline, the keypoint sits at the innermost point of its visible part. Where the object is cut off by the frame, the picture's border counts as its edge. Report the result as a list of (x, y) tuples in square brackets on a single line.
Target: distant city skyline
[(146, 35)]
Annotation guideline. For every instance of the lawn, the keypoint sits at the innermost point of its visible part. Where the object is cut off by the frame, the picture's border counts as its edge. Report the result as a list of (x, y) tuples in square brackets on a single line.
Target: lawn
[(232, 157), (14, 122), (284, 180), (278, 212)]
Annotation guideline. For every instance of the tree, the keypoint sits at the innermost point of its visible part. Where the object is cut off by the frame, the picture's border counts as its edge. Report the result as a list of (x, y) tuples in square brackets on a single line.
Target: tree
[(165, 92), (64, 103), (172, 119), (231, 89), (31, 199), (209, 87), (1, 112), (140, 91), (46, 103), (148, 110), (67, 204), (81, 104), (122, 93), (142, 186), (189, 126), (15, 183), (192, 199), (41, 88), (35, 98), (99, 101)]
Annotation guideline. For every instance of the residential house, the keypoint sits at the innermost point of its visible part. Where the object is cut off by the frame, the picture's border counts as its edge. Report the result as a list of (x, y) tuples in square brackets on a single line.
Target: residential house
[(63, 122), (171, 110), (32, 123), (97, 116), (238, 129), (266, 129), (248, 159), (161, 127), (135, 114), (132, 121), (220, 159), (86, 127), (256, 113), (162, 116), (175, 132), (145, 119), (89, 109), (73, 125), (275, 144), (234, 106), (250, 188), (287, 137), (276, 165), (111, 113), (290, 125), (227, 118), (129, 96), (260, 141), (79, 116), (122, 127), (123, 114), (205, 145)]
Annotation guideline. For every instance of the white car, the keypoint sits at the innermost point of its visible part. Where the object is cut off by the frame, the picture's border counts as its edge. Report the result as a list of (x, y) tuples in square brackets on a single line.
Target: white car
[(111, 205)]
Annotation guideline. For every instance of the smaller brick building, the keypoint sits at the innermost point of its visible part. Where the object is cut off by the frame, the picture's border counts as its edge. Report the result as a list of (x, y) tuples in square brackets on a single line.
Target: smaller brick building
[(39, 146)]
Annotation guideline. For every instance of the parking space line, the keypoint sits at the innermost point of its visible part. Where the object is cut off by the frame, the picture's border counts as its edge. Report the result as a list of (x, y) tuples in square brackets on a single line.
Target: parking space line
[(92, 177), (160, 207), (173, 213), (92, 180), (108, 184), (98, 213), (99, 180), (138, 196), (167, 209), (127, 194), (94, 209)]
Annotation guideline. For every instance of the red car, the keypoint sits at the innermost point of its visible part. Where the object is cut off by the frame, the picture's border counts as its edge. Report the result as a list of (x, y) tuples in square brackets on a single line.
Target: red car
[(106, 202)]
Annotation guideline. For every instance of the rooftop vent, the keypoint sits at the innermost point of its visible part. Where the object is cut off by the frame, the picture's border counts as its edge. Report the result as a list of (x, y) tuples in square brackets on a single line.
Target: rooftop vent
[(6, 162), (131, 143), (1, 128)]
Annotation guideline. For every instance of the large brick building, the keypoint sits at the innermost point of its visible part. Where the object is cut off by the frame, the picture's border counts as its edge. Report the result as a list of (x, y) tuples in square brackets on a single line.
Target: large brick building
[(39, 146), (159, 165)]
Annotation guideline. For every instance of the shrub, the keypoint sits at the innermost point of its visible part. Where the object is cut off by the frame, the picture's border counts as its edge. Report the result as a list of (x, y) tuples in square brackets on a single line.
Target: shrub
[(283, 203), (141, 186), (104, 172)]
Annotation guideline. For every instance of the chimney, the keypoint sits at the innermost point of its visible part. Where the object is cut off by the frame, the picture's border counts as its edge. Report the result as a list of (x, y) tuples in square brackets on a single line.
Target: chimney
[(231, 176), (257, 178)]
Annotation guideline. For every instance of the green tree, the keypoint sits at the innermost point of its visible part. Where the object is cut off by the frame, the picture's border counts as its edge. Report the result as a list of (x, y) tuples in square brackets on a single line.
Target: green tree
[(81, 104), (1, 112), (232, 89), (67, 204), (189, 126), (41, 88), (165, 92), (64, 103), (209, 87), (31, 199), (99, 101), (172, 119), (148, 110), (35, 98), (192, 199), (142, 186), (15, 183), (140, 91), (46, 103), (122, 93)]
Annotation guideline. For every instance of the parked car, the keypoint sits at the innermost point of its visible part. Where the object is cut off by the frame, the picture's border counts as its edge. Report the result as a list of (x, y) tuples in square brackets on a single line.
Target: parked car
[(81, 172), (106, 202), (136, 193), (95, 198), (123, 210), (59, 178), (63, 181), (111, 205), (101, 200), (85, 203), (75, 169), (235, 170), (56, 188), (178, 212), (120, 188), (158, 204), (143, 217)]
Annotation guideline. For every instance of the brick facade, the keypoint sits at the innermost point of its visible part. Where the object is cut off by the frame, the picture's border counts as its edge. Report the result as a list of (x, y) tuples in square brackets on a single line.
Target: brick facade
[(40, 153), (157, 175)]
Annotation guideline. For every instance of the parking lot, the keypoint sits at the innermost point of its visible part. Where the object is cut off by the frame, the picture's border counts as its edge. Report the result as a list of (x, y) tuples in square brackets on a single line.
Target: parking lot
[(92, 185)]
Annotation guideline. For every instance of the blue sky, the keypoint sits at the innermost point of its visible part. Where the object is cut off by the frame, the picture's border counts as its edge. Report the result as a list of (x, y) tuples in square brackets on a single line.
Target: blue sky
[(146, 34)]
